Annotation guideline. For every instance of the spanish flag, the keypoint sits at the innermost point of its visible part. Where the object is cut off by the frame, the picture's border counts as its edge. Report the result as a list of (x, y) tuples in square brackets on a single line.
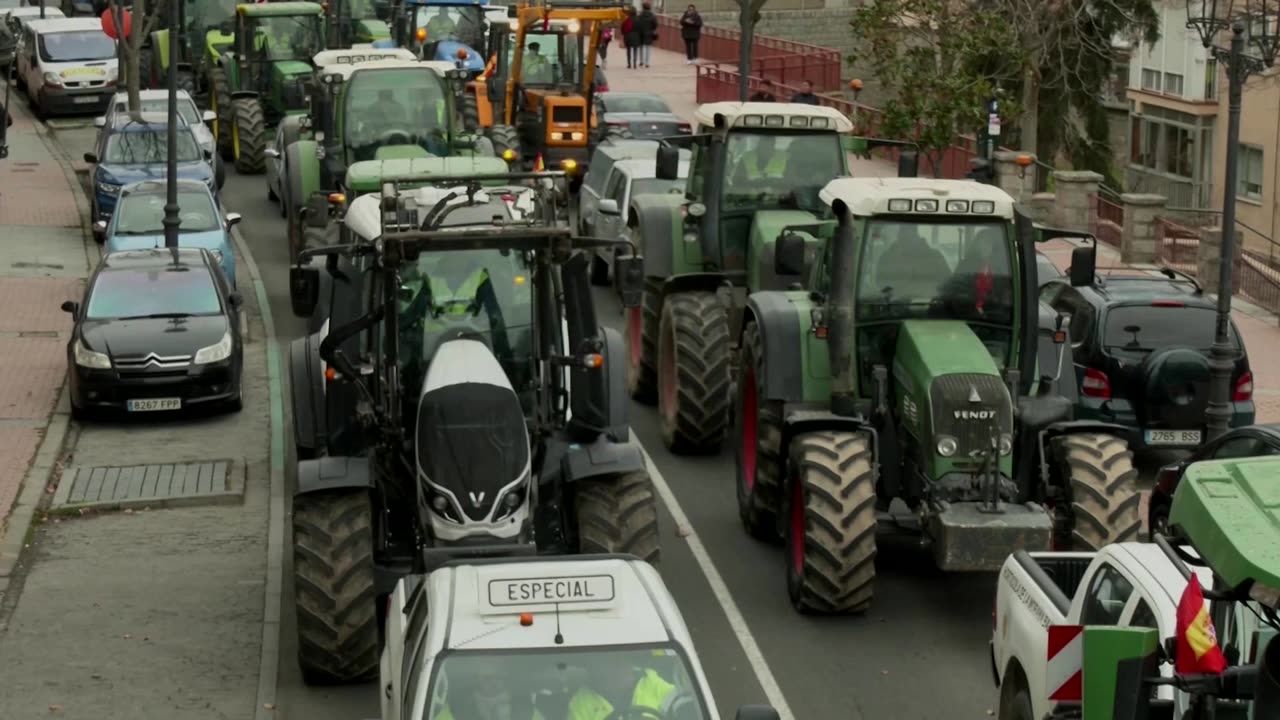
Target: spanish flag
[(538, 165), (1198, 650)]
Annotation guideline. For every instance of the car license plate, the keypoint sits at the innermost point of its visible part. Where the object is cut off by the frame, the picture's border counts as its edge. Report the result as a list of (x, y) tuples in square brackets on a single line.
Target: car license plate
[(1173, 437), (85, 99), (154, 404)]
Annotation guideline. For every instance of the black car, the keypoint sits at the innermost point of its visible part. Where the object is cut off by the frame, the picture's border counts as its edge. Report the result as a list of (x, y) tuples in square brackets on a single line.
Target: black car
[(645, 114), (1141, 352), (1243, 442), (157, 330)]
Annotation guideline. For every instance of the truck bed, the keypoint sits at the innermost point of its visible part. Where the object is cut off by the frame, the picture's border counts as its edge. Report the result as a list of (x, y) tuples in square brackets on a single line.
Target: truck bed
[(1058, 574)]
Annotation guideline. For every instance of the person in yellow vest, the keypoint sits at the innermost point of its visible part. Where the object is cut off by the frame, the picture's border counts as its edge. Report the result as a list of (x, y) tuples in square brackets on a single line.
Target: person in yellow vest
[(486, 695), (761, 163), (536, 67), (440, 26), (618, 687)]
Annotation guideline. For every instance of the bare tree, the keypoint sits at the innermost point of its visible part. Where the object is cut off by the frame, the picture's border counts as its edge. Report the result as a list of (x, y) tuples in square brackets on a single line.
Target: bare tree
[(145, 15), (748, 16)]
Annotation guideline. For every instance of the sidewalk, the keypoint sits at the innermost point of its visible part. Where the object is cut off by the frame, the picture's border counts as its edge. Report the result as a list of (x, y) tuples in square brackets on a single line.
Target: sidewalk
[(124, 604), (669, 77)]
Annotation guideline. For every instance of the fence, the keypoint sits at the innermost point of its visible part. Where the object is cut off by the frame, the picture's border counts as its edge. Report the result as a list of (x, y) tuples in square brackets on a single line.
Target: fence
[(780, 61)]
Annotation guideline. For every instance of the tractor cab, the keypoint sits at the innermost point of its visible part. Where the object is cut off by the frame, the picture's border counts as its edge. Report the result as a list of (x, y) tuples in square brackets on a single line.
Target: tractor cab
[(274, 44), (447, 30), (354, 22)]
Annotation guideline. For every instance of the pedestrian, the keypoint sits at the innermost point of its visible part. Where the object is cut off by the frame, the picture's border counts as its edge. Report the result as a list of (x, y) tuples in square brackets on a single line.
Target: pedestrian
[(648, 25), (631, 38), (764, 94), (606, 37), (806, 95), (691, 32)]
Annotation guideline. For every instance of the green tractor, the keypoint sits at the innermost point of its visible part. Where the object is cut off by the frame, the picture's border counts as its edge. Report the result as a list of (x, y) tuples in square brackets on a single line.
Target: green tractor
[(917, 366), (263, 76), (710, 246), (203, 41), (355, 22), (366, 105)]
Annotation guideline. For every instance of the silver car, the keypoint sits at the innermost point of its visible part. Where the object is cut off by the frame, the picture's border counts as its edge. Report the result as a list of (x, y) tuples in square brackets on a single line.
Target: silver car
[(157, 101), (608, 216)]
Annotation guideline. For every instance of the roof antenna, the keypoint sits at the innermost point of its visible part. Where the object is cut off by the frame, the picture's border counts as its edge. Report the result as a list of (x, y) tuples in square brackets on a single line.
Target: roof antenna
[(559, 637)]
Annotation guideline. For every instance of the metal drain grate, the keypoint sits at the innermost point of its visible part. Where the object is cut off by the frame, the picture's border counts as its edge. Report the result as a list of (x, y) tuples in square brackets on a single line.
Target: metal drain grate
[(145, 484)]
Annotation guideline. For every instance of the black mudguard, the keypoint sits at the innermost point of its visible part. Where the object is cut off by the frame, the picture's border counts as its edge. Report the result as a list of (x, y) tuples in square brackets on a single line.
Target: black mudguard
[(774, 314), (799, 418), (654, 218), (692, 282), (332, 473), (601, 458), (1078, 426), (306, 389)]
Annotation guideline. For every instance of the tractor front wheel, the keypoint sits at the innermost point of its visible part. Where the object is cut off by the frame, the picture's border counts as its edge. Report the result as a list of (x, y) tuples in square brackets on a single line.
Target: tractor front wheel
[(187, 81), (506, 138), (642, 345), (249, 136), (831, 523), (618, 514), (333, 578), (693, 372), (220, 102), (1100, 479), (470, 112), (759, 443)]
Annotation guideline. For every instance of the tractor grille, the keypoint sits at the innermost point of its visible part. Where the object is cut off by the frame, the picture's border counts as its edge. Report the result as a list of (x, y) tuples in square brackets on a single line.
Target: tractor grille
[(567, 114), (956, 414)]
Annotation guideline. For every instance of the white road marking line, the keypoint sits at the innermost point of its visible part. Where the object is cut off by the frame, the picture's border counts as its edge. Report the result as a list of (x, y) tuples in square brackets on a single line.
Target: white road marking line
[(720, 590)]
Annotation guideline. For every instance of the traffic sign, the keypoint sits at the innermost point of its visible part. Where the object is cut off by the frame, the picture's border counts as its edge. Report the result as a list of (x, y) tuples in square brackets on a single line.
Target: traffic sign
[(1064, 672)]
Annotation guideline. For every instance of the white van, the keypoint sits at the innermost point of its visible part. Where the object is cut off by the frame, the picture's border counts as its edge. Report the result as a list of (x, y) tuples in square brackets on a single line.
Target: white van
[(68, 65)]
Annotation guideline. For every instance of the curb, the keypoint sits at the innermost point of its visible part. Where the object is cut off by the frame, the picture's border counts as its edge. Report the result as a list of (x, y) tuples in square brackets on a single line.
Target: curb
[(56, 431), (269, 662)]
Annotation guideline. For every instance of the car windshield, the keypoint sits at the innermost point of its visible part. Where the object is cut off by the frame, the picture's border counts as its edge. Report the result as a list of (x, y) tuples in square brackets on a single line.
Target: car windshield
[(634, 104), (159, 291), (142, 213), (655, 186), (463, 23), (512, 684), (550, 58), (186, 109), (397, 106), (76, 46), (910, 269), (780, 169), (1147, 327), (287, 38), (150, 146)]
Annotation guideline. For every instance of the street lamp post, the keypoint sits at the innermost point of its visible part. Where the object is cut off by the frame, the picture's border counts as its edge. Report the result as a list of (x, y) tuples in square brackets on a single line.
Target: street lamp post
[(171, 219), (1210, 18)]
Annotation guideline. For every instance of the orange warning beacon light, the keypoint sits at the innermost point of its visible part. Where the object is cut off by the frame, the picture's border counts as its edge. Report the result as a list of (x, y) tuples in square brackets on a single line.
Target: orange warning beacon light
[(421, 34), (526, 619)]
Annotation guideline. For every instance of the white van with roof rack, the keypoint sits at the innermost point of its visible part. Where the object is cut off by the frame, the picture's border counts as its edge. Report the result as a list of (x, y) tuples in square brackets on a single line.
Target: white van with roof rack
[(68, 65), (587, 637)]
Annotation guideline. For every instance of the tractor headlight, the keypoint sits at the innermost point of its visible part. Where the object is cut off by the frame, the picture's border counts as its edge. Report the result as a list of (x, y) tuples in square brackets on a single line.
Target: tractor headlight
[(1006, 444), (947, 446)]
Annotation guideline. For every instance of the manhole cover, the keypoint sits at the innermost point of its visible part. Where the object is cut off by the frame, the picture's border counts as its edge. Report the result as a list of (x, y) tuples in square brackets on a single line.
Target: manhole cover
[(153, 485)]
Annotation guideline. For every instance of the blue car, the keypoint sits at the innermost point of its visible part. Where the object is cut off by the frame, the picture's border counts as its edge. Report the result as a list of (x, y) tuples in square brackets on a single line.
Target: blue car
[(137, 223), (137, 150)]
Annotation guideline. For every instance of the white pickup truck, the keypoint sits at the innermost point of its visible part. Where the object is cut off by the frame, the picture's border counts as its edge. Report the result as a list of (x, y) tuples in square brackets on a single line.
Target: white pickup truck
[(1125, 584)]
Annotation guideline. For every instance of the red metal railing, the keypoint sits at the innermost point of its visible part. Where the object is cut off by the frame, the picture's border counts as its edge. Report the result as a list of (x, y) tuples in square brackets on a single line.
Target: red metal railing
[(775, 59), (1107, 223), (1177, 246)]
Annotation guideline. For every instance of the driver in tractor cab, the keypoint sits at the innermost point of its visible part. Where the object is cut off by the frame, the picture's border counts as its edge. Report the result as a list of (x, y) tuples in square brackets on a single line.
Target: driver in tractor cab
[(388, 113), (536, 67), (910, 267), (486, 695), (272, 41), (764, 161), (441, 26), (981, 281), (617, 686)]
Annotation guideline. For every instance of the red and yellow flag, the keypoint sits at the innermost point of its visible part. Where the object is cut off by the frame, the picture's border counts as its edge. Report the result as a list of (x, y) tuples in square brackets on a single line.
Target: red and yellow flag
[(491, 66), (1198, 650), (538, 165)]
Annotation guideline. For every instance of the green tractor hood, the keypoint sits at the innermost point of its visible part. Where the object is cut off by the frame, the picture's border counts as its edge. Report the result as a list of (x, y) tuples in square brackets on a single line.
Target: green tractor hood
[(367, 176), (289, 69), (216, 43), (948, 385), (371, 30)]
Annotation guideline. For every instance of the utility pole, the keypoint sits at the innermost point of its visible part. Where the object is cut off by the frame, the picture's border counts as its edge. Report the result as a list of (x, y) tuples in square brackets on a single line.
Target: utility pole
[(171, 218)]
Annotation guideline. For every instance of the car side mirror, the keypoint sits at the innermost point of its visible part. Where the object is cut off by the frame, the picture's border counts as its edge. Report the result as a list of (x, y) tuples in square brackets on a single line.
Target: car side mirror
[(71, 307), (667, 164), (788, 255), (233, 219), (208, 154), (236, 300), (100, 226), (99, 122), (908, 164), (208, 116), (90, 158), (609, 206), (628, 278), (1083, 265), (304, 289), (756, 712)]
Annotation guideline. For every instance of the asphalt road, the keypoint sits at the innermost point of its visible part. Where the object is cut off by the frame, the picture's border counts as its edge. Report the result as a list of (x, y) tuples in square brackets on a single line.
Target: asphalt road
[(926, 629)]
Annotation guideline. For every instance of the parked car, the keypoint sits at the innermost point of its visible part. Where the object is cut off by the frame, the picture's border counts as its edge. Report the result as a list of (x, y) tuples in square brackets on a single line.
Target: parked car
[(137, 150), (1141, 352), (600, 169), (1046, 269), (156, 330), (68, 65), (647, 115), (1243, 442), (611, 218), (15, 20), (157, 101), (137, 223)]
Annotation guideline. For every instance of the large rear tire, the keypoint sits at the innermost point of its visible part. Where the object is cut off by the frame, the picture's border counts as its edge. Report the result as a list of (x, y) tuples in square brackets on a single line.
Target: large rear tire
[(642, 345), (250, 136), (1101, 481), (831, 523), (220, 103), (470, 112), (505, 137), (693, 372), (619, 514), (334, 591), (187, 81), (759, 443)]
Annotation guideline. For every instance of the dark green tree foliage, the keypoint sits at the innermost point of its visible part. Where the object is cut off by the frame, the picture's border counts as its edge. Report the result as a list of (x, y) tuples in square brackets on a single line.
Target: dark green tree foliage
[(935, 58)]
